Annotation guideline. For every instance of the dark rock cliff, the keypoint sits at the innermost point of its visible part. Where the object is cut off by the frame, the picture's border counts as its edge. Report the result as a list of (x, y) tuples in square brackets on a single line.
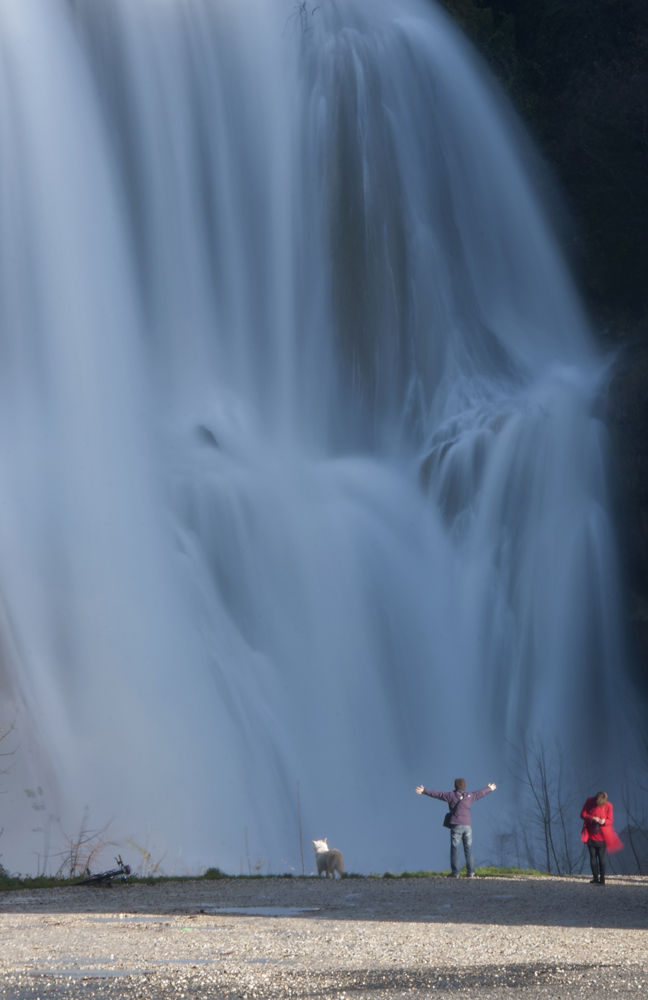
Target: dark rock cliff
[(627, 413), (577, 71)]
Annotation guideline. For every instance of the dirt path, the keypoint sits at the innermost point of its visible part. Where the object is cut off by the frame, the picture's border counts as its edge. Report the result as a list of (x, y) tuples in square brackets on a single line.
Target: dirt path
[(365, 938)]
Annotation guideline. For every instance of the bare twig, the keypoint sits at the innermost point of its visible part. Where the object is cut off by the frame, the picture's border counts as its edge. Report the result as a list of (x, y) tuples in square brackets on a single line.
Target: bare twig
[(637, 822), (6, 728), (147, 867), (550, 808), (83, 848), (39, 805), (301, 841)]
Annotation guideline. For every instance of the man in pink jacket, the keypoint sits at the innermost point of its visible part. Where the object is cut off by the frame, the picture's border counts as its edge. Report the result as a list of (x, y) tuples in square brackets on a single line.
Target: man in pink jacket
[(459, 802)]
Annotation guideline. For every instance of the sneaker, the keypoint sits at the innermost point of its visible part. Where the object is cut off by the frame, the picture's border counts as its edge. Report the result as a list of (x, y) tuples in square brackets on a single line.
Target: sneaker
[(452, 875), (470, 875)]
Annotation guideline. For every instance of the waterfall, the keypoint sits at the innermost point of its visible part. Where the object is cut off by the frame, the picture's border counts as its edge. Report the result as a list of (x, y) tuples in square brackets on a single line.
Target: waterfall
[(302, 467)]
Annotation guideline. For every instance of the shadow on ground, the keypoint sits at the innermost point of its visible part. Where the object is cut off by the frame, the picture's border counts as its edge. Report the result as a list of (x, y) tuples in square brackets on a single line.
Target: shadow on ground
[(564, 902)]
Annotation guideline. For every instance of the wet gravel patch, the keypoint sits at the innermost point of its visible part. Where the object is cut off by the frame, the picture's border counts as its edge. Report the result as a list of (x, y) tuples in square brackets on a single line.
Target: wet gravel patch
[(368, 938)]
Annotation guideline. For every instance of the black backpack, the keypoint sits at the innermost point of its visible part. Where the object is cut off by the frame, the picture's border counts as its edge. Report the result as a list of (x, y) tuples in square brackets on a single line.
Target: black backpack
[(448, 816)]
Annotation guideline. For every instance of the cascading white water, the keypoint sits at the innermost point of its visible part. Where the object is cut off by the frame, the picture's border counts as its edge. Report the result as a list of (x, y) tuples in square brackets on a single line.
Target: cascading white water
[(301, 475)]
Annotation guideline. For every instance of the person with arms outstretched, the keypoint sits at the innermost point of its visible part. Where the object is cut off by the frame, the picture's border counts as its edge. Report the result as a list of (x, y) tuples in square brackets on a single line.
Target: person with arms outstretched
[(458, 819)]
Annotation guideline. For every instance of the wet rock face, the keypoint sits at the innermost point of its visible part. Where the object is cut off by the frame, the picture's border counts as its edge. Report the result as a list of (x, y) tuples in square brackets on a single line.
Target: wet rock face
[(628, 424)]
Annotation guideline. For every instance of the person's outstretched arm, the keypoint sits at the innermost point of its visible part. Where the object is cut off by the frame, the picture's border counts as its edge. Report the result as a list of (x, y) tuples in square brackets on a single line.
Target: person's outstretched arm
[(421, 790), (483, 791)]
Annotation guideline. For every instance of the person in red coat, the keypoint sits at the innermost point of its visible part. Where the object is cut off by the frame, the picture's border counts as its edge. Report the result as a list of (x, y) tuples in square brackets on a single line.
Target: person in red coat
[(598, 833)]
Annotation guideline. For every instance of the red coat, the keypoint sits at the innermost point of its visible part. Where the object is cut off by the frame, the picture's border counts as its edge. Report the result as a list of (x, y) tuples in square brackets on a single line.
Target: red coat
[(593, 831)]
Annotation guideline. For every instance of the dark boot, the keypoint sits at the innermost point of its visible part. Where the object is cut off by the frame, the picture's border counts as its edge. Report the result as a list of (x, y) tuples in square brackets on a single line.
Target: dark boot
[(595, 880), (602, 880)]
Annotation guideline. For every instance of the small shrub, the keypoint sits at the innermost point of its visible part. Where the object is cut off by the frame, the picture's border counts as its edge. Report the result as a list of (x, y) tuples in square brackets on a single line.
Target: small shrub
[(213, 873)]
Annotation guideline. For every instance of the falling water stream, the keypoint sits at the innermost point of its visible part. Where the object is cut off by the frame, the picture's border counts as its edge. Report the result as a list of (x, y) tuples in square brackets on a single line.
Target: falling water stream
[(302, 470)]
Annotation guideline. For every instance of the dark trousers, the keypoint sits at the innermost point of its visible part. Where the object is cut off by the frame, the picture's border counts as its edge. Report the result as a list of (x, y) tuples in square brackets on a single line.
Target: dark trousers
[(596, 850)]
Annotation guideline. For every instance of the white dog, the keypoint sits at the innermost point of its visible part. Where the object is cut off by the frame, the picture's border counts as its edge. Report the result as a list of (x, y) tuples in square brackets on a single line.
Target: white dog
[(329, 861)]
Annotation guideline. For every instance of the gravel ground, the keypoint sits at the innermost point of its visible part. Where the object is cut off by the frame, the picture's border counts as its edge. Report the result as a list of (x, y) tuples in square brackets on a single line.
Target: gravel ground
[(365, 938)]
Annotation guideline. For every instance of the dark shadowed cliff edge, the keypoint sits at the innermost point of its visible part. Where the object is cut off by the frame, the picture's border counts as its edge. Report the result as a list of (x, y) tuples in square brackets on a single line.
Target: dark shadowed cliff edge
[(577, 71)]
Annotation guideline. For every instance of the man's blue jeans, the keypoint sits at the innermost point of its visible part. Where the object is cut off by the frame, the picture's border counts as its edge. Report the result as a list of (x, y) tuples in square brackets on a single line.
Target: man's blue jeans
[(457, 834)]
